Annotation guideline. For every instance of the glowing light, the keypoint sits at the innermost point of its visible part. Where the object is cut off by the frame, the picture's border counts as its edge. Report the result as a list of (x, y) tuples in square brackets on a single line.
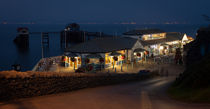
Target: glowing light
[(154, 46), (161, 47)]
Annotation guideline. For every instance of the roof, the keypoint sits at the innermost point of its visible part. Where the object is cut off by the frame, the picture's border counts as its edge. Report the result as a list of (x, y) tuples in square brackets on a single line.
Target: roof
[(69, 54), (115, 54), (139, 50), (93, 56), (103, 45), (143, 31), (190, 38), (110, 44), (170, 36)]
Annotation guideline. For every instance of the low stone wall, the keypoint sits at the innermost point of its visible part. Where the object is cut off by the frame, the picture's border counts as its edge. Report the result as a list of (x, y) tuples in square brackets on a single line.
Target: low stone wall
[(13, 88)]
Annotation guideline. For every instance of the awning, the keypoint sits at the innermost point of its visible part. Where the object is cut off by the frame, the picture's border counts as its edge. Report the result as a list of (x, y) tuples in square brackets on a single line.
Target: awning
[(93, 56), (69, 54), (139, 50), (115, 54)]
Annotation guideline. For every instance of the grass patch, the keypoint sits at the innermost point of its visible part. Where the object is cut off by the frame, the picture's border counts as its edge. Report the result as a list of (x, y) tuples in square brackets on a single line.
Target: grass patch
[(189, 94)]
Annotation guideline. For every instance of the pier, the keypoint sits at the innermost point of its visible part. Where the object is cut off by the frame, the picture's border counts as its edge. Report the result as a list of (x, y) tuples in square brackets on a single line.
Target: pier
[(70, 34)]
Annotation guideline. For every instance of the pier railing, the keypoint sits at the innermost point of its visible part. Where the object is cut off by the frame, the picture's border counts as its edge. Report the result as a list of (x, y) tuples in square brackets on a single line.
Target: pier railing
[(45, 63)]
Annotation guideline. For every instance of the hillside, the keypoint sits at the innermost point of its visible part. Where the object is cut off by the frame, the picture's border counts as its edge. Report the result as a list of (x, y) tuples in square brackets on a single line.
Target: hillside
[(194, 84)]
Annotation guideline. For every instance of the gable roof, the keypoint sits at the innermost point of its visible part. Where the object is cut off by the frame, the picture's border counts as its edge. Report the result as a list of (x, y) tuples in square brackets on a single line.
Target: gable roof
[(110, 44), (170, 36), (143, 31), (103, 45)]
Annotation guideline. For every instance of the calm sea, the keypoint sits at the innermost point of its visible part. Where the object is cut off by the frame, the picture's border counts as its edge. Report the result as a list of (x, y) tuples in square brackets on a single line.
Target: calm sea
[(10, 54)]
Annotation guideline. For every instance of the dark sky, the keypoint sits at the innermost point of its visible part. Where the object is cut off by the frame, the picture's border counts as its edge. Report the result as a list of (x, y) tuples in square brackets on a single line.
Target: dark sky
[(104, 11)]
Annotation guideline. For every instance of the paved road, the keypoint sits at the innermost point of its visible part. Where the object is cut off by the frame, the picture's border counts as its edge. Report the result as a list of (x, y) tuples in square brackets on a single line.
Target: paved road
[(149, 94)]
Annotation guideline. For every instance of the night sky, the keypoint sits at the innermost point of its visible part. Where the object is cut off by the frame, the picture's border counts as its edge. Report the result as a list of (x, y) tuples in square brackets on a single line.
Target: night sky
[(104, 11)]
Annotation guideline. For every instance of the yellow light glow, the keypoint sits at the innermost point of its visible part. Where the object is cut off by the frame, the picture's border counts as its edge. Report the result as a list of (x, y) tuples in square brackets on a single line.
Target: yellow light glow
[(161, 47)]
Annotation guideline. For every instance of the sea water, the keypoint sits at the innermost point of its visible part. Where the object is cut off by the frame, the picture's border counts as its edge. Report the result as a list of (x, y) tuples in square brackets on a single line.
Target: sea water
[(11, 54)]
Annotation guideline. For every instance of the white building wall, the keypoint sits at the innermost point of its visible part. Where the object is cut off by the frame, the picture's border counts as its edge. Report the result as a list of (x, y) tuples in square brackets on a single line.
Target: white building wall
[(184, 38), (136, 45)]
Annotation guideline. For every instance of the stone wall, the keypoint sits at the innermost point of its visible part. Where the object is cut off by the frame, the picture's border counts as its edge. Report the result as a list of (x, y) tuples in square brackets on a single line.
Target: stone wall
[(13, 88)]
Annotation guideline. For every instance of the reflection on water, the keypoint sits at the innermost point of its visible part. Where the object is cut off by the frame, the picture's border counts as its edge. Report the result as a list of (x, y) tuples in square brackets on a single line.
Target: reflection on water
[(23, 52), (22, 49)]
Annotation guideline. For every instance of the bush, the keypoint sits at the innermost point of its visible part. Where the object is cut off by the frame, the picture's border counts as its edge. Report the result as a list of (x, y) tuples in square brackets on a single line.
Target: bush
[(193, 85), (196, 75)]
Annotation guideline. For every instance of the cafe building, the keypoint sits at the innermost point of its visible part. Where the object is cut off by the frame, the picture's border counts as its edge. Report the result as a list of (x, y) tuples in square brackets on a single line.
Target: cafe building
[(106, 52), (159, 42)]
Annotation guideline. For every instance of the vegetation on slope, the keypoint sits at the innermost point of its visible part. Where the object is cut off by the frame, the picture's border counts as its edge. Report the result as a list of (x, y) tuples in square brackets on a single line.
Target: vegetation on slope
[(194, 84)]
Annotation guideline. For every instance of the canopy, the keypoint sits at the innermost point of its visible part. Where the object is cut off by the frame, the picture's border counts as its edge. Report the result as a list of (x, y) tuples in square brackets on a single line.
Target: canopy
[(70, 54), (93, 56), (115, 54)]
